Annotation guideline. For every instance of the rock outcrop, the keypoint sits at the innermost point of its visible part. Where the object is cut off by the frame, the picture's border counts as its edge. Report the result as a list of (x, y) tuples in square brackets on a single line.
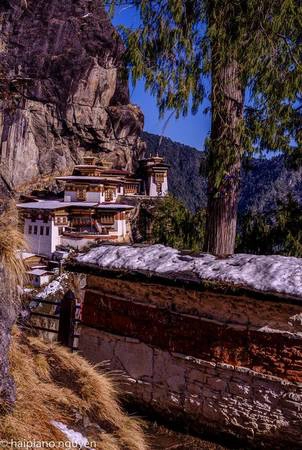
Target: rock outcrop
[(11, 269), (8, 315), (63, 92)]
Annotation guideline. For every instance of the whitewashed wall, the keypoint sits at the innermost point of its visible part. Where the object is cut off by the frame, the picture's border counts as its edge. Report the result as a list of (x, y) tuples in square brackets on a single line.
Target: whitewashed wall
[(153, 189), (37, 243)]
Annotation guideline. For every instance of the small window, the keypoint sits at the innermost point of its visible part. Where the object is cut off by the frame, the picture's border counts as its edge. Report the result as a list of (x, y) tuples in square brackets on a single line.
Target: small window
[(35, 229), (41, 231), (47, 231), (61, 229), (30, 229)]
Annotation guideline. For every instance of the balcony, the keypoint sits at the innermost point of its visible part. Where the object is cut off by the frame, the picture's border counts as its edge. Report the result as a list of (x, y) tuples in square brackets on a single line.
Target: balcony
[(90, 233)]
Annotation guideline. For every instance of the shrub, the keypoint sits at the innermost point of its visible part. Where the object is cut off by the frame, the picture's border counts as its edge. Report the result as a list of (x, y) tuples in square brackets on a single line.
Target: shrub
[(272, 233), (176, 226)]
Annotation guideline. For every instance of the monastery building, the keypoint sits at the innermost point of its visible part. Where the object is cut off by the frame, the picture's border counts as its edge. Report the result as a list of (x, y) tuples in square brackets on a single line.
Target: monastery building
[(94, 206)]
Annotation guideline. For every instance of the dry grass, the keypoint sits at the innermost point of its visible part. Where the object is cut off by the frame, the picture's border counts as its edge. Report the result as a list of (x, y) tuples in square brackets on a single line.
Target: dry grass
[(11, 241), (53, 384)]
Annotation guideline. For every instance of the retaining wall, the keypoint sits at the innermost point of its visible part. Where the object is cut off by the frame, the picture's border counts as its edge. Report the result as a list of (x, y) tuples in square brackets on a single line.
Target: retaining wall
[(223, 362)]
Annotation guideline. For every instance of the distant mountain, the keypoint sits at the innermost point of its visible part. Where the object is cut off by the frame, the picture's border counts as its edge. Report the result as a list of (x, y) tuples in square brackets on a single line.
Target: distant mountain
[(267, 182), (264, 183)]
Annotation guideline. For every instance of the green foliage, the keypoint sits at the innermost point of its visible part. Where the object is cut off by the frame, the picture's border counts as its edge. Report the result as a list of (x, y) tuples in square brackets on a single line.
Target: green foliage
[(278, 233), (251, 52), (180, 42), (166, 50), (176, 226)]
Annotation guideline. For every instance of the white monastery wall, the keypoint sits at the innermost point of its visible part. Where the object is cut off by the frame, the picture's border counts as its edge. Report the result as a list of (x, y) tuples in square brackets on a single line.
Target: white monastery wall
[(165, 187), (38, 243), (93, 197), (120, 226), (70, 196), (153, 189), (55, 237)]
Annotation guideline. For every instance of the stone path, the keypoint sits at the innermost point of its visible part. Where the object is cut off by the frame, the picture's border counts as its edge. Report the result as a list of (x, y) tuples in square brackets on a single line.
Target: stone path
[(161, 438)]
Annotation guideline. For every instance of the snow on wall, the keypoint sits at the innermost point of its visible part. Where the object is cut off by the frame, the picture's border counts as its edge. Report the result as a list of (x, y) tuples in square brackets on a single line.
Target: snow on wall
[(278, 274), (54, 288)]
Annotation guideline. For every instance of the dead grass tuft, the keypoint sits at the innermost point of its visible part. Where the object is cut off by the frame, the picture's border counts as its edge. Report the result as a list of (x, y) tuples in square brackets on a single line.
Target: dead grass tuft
[(53, 384), (11, 241)]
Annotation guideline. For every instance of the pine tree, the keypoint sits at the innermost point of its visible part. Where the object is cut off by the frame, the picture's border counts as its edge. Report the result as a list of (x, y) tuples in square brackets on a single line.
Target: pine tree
[(251, 52), (273, 232), (176, 226)]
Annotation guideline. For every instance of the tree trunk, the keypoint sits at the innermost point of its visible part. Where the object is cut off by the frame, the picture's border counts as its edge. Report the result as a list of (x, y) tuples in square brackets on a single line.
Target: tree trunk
[(224, 159)]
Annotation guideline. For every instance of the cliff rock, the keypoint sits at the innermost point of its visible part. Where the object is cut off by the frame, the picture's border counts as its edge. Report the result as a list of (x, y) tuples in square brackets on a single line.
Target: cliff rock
[(8, 315), (62, 91)]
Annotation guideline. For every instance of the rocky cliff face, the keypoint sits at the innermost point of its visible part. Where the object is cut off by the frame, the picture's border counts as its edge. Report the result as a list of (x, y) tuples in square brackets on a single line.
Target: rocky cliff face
[(8, 315), (62, 91)]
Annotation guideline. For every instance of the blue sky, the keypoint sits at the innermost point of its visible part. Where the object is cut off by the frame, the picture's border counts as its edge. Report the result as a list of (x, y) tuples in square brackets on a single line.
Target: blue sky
[(190, 130)]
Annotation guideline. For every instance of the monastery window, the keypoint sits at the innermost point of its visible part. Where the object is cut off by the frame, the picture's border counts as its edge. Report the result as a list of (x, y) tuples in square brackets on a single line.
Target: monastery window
[(158, 178), (35, 229), (41, 231), (81, 221), (109, 195), (61, 229), (47, 231), (30, 229), (81, 194), (131, 189), (60, 220), (107, 219)]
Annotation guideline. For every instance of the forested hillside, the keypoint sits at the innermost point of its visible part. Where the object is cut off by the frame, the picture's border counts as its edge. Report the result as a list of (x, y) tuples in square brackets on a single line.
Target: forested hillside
[(184, 180), (264, 182)]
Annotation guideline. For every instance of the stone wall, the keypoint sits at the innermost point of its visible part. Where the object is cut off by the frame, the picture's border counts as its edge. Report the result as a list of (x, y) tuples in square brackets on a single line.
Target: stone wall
[(220, 362), (206, 395)]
